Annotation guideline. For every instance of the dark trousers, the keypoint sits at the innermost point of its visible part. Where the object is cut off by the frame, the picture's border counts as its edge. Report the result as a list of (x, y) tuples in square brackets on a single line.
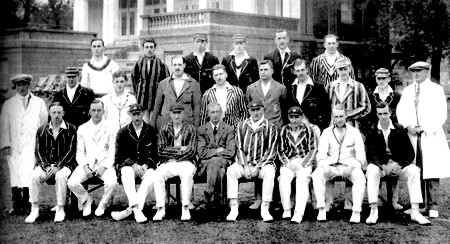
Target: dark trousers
[(215, 169), (430, 193)]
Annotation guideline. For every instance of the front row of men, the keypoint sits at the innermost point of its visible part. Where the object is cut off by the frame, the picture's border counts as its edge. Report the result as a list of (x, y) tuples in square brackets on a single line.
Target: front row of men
[(256, 144)]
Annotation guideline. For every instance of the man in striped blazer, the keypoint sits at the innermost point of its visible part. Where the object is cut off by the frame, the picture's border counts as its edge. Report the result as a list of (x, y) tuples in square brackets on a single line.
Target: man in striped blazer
[(256, 140), (296, 152), (229, 97), (56, 144)]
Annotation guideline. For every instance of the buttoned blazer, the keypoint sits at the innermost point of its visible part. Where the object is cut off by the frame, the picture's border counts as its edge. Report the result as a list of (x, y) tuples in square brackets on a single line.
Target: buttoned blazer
[(202, 73), (248, 75), (77, 111), (208, 142), (282, 71)]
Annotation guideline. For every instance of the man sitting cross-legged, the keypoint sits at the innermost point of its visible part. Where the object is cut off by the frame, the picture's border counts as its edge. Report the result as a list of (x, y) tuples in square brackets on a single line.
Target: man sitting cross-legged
[(136, 157), (296, 152), (390, 153), (256, 140)]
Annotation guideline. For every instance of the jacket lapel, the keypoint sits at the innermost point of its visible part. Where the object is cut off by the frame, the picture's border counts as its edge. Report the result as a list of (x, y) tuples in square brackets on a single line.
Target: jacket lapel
[(77, 94), (308, 89), (132, 132), (186, 86)]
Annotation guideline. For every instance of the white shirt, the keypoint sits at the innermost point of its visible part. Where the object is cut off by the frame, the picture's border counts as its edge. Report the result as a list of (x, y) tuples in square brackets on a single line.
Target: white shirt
[(301, 87), (283, 53), (199, 56), (265, 87), (239, 61), (331, 59), (383, 96), (256, 124), (178, 84), (138, 130), (221, 97), (342, 88), (61, 126), (71, 91), (386, 133)]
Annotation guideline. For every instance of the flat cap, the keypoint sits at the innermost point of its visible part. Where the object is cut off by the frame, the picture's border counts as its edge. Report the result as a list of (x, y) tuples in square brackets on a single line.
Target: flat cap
[(419, 66), (176, 107), (342, 62), (21, 78), (136, 107), (295, 111), (72, 71), (255, 104), (382, 72), (201, 36), (239, 38)]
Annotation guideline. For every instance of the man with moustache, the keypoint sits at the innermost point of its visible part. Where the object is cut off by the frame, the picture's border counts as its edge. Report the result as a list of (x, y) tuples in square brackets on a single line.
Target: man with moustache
[(56, 145), (282, 58), (229, 97), (216, 150), (242, 69), (75, 98), (21, 117), (178, 88), (148, 72), (200, 62)]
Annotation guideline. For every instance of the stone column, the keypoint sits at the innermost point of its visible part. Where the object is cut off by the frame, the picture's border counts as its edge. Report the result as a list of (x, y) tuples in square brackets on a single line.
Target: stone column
[(110, 20), (248, 6), (170, 6), (81, 15), (139, 22)]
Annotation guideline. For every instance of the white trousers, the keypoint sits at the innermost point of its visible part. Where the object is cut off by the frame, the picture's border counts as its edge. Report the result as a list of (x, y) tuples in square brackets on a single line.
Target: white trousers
[(323, 174), (39, 176), (138, 197), (108, 177), (410, 174), (236, 171), (303, 176), (183, 169)]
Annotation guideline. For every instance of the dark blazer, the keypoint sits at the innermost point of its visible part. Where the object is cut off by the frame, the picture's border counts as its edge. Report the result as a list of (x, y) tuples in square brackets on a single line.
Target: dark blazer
[(202, 73), (282, 71), (392, 100), (208, 142), (249, 71), (132, 149), (315, 104), (77, 111), (399, 144)]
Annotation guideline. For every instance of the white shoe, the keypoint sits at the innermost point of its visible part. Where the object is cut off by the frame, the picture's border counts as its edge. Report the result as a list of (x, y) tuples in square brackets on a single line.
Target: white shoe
[(185, 214), (255, 205), (322, 216), (397, 206), (87, 207), (265, 212), (373, 217), (286, 214), (119, 215), (33, 215), (234, 212), (54, 208), (139, 215), (60, 215), (159, 215), (100, 210), (419, 218), (356, 217), (297, 218), (433, 214)]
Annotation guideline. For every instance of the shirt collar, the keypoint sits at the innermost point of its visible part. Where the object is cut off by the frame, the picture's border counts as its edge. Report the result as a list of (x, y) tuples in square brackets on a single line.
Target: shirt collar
[(72, 89), (350, 82), (62, 126), (195, 53), (212, 125), (183, 77), (101, 61), (22, 97), (257, 123), (233, 53), (378, 91), (308, 81), (287, 50), (391, 126), (227, 85), (335, 55)]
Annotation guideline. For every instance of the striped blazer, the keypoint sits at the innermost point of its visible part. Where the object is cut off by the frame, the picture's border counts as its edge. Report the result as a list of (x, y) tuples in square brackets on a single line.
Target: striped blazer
[(236, 110), (323, 73), (60, 151), (256, 147), (166, 143), (356, 100), (304, 147)]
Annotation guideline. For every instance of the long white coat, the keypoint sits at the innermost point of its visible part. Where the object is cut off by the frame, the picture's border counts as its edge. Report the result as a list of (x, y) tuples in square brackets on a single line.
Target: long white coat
[(95, 145), (431, 116), (116, 109), (18, 131)]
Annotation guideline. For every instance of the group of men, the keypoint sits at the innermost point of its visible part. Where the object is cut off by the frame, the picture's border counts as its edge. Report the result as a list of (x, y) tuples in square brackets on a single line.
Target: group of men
[(271, 122)]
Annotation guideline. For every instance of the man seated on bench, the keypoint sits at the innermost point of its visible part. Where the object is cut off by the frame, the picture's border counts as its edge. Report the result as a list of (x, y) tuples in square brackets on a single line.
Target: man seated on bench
[(136, 157), (340, 153), (56, 144), (256, 140), (177, 148), (95, 157), (390, 153), (216, 149), (296, 152)]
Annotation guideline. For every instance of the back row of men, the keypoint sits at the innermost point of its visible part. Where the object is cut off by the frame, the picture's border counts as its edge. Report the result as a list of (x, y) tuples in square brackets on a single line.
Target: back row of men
[(159, 98)]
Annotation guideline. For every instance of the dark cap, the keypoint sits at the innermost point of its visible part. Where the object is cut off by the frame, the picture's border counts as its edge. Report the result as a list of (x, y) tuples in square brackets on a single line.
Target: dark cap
[(295, 111), (136, 108), (419, 66), (238, 38), (72, 71), (382, 72), (176, 107), (201, 36), (21, 78), (255, 104)]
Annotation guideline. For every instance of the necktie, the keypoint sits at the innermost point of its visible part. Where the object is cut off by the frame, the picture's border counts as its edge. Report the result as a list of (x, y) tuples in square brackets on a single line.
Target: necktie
[(215, 132), (282, 57), (24, 101), (416, 102)]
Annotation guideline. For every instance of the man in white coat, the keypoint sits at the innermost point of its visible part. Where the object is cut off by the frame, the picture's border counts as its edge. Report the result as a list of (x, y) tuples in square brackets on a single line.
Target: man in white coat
[(21, 116), (95, 157), (423, 110)]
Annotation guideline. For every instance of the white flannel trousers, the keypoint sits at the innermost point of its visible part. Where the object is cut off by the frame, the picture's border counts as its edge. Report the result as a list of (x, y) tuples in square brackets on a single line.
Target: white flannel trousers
[(38, 177)]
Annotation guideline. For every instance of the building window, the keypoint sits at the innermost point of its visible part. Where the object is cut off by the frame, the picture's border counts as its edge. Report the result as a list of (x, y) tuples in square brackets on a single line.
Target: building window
[(124, 24), (185, 5), (132, 21), (155, 6), (128, 9), (156, 11)]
